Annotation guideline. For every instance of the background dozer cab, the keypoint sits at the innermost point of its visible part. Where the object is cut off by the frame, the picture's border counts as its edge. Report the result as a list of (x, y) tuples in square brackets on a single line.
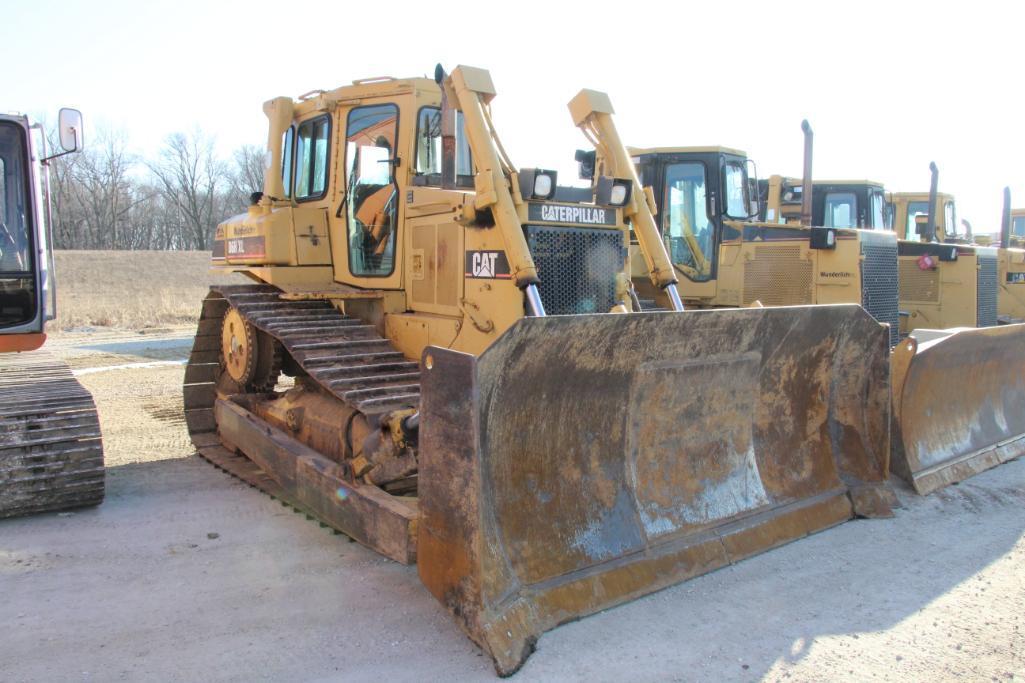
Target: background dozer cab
[(707, 211), (466, 396), (945, 282), (51, 456)]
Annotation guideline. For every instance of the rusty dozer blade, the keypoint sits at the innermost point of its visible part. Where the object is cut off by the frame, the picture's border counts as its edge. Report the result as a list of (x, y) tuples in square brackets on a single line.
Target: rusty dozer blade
[(958, 403), (583, 461)]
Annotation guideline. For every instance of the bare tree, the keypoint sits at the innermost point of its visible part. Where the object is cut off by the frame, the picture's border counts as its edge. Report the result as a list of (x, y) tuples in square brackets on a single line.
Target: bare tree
[(103, 198), (190, 177), (93, 194), (246, 175)]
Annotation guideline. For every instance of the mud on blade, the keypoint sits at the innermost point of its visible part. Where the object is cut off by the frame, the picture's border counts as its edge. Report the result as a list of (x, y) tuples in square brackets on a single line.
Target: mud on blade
[(958, 403), (583, 461)]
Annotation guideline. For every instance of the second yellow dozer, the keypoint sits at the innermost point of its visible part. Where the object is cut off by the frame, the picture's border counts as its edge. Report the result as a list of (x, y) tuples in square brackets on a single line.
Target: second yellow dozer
[(1010, 263), (471, 391), (942, 432)]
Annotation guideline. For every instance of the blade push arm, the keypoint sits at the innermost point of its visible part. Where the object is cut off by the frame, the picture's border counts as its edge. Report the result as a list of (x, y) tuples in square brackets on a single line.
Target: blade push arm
[(472, 89), (592, 113)]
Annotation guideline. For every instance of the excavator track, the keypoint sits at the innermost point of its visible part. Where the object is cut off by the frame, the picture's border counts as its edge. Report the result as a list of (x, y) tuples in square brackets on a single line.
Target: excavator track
[(343, 355), (51, 454)]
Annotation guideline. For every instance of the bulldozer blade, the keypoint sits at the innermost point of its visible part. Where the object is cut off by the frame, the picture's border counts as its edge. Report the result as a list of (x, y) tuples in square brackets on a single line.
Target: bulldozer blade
[(958, 403), (583, 461)]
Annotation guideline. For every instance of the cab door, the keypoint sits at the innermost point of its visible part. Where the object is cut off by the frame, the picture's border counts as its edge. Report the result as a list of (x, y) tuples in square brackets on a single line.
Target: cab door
[(365, 241)]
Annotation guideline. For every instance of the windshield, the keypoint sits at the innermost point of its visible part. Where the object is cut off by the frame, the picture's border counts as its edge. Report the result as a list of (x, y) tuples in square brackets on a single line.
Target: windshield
[(736, 190), (15, 252), (950, 219), (689, 231), (915, 209), (876, 215), (841, 210), (17, 278), (428, 148)]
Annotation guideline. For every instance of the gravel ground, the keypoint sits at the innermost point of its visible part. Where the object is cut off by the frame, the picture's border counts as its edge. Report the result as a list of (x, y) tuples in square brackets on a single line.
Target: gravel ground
[(186, 574)]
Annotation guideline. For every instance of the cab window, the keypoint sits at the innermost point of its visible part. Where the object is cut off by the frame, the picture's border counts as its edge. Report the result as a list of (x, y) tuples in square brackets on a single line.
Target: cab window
[(428, 149), (17, 268), (950, 226), (877, 211), (915, 209), (286, 161), (687, 226), (371, 194), (1018, 226), (735, 178), (841, 210), (15, 251), (311, 158)]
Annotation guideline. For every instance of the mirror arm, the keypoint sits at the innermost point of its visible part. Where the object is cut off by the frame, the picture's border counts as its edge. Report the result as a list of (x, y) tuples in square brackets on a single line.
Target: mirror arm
[(45, 160)]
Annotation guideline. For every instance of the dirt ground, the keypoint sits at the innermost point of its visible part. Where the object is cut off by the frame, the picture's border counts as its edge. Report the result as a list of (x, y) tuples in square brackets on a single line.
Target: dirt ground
[(186, 574)]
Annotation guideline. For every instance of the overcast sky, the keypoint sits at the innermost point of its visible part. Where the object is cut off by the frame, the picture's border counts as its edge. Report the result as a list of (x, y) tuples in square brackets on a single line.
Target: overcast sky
[(887, 88)]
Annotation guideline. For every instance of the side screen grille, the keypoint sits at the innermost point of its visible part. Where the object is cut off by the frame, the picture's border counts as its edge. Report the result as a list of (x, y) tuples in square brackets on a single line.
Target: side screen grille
[(986, 291), (917, 284), (879, 282), (577, 267), (777, 276)]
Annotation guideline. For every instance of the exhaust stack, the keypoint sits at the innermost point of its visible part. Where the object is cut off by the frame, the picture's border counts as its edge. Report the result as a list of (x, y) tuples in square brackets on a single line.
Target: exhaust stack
[(806, 185), (279, 113), (930, 224), (1005, 220), (448, 133)]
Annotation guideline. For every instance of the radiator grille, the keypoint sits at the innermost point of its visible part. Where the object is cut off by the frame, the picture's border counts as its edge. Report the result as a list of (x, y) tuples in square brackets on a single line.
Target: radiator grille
[(917, 284), (577, 267), (879, 283), (986, 291), (778, 276)]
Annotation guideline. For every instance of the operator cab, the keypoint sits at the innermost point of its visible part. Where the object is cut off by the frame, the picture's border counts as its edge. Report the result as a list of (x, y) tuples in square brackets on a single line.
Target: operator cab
[(698, 190), (849, 204), (26, 295), (911, 210)]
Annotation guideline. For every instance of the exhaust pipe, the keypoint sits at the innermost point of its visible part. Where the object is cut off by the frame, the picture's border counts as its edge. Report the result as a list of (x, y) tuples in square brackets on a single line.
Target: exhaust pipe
[(279, 113), (448, 134), (930, 223), (1005, 220), (806, 185)]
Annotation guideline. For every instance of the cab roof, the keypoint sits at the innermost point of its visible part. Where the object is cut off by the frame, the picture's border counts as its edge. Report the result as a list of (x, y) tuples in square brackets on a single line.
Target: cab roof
[(315, 100), (714, 149)]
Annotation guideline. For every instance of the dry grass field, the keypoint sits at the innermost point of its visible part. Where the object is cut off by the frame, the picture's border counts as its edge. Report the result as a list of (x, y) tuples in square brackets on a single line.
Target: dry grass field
[(134, 290)]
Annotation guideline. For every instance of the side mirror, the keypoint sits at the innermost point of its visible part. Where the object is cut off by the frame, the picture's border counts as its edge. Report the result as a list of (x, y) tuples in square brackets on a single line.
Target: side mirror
[(70, 124)]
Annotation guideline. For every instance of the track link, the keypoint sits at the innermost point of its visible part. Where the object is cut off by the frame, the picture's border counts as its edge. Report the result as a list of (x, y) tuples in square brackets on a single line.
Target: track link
[(346, 357), (51, 453)]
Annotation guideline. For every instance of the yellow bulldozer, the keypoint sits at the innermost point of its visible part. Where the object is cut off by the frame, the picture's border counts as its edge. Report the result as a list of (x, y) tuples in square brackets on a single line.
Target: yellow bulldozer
[(51, 454), (1011, 263), (945, 280), (729, 252), (471, 389)]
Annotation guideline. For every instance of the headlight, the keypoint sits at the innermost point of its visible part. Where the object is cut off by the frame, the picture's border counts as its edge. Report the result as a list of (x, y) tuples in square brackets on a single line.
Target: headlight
[(612, 191), (822, 238), (542, 185), (537, 183)]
